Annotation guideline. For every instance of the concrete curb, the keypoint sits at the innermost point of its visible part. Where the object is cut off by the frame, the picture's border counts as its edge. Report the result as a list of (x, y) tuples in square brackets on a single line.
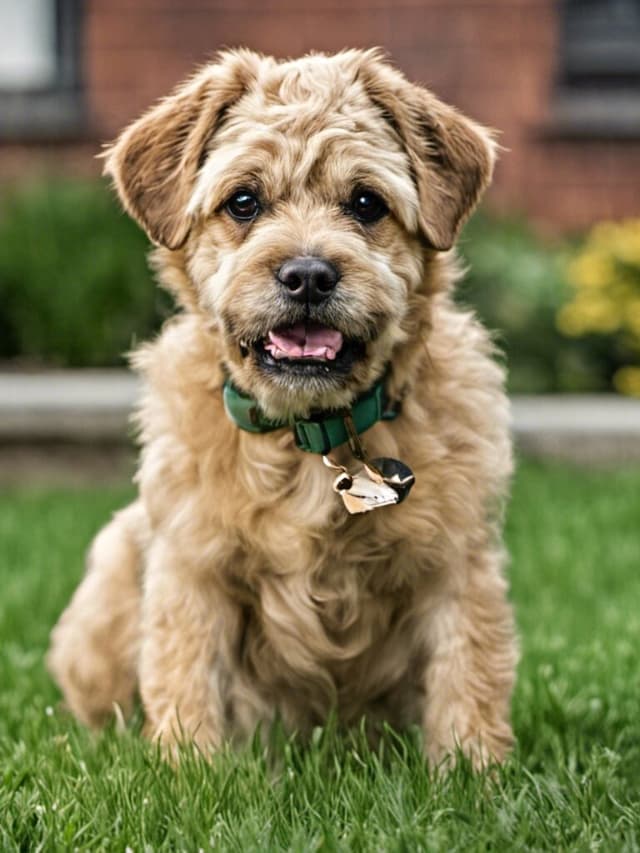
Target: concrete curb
[(591, 428), (86, 409), (74, 405)]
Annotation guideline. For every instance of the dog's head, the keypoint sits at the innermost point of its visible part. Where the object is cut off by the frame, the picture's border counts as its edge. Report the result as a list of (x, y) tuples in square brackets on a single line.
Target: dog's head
[(304, 200)]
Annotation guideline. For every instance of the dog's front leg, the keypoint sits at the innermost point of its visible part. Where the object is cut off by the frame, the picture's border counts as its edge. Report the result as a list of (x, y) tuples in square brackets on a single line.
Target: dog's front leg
[(182, 629), (471, 667)]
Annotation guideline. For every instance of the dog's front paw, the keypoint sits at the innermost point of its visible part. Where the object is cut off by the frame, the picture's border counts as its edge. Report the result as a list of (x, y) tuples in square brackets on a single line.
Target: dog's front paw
[(483, 748), (177, 736)]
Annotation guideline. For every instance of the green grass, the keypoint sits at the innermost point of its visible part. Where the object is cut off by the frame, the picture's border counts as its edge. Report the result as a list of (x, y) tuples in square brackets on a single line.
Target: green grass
[(572, 784)]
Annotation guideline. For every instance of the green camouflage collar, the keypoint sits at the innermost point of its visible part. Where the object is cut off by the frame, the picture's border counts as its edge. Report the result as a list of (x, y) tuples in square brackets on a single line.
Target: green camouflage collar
[(323, 430)]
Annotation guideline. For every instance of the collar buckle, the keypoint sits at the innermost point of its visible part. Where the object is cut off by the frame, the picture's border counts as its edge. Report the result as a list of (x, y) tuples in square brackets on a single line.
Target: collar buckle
[(312, 437)]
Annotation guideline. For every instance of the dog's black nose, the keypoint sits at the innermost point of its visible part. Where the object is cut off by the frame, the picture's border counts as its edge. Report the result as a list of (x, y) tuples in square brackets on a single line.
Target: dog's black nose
[(308, 279)]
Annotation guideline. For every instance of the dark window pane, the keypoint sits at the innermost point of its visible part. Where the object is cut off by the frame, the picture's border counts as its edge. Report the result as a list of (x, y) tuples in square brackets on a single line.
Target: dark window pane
[(40, 80), (601, 40)]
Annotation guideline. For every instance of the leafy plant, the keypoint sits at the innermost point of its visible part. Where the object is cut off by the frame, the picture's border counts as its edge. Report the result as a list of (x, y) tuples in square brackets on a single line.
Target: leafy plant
[(515, 281), (74, 284), (605, 302)]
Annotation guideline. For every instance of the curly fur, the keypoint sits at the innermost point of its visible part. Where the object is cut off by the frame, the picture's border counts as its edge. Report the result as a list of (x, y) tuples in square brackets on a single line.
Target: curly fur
[(236, 588)]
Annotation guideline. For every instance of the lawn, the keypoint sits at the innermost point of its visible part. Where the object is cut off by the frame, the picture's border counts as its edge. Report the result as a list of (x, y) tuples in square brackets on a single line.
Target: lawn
[(572, 784)]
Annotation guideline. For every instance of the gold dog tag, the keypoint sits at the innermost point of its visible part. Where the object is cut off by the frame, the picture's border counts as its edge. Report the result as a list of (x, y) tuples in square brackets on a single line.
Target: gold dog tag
[(394, 473), (374, 486)]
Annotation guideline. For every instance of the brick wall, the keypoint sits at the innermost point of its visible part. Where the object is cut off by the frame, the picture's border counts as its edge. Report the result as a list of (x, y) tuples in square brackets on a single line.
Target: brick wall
[(493, 58)]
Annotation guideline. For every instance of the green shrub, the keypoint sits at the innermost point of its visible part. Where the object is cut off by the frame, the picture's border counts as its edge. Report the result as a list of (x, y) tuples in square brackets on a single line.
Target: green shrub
[(604, 275), (75, 289), (516, 284)]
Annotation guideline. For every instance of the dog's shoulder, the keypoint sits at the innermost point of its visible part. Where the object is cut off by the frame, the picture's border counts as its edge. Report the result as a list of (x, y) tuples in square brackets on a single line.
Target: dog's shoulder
[(181, 376)]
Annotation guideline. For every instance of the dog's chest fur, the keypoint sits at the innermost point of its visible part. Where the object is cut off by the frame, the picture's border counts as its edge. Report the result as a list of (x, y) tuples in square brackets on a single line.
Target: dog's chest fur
[(327, 615)]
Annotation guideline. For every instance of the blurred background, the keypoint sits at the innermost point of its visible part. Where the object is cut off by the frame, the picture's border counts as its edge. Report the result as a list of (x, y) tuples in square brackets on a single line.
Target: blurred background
[(554, 253)]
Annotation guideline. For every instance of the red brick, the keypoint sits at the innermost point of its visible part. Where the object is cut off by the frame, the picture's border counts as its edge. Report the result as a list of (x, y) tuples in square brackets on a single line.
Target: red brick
[(495, 59)]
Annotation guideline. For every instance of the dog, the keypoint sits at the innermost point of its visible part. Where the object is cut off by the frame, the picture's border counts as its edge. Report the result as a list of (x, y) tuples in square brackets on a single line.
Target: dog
[(304, 214)]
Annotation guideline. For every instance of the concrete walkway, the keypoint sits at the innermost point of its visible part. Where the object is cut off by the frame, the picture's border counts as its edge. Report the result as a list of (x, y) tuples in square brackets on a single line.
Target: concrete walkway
[(86, 411), (68, 405)]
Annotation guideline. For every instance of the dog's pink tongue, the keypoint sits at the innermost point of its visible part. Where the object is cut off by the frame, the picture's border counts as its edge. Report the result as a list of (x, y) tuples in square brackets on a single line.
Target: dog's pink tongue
[(302, 341)]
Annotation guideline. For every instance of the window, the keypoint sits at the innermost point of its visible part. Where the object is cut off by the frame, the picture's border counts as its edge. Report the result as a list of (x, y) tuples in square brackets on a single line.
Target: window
[(598, 91), (40, 91)]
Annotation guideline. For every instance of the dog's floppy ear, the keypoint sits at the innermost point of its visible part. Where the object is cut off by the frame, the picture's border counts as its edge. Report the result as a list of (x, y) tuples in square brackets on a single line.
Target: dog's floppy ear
[(452, 157), (154, 162)]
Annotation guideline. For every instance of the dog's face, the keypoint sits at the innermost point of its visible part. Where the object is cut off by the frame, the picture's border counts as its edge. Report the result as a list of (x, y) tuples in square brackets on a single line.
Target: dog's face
[(305, 199)]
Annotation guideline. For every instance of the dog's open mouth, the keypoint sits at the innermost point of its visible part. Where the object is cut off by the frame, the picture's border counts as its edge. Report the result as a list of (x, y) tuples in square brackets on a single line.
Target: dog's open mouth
[(308, 349), (304, 342)]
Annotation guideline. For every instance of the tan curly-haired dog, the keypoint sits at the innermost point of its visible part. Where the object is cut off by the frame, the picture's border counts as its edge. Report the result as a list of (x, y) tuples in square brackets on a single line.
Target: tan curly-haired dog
[(304, 212)]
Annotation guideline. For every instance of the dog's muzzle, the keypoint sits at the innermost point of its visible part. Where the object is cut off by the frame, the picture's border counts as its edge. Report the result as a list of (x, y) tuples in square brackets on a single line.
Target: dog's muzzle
[(306, 346)]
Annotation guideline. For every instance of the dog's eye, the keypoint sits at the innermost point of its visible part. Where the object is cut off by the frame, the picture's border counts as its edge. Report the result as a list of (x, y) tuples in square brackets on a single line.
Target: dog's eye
[(243, 206), (367, 206)]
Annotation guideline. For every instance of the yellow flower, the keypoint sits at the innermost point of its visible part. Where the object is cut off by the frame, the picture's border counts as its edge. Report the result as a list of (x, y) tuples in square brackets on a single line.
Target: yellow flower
[(587, 315), (605, 275), (625, 245), (591, 269), (568, 321), (632, 317), (626, 380)]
